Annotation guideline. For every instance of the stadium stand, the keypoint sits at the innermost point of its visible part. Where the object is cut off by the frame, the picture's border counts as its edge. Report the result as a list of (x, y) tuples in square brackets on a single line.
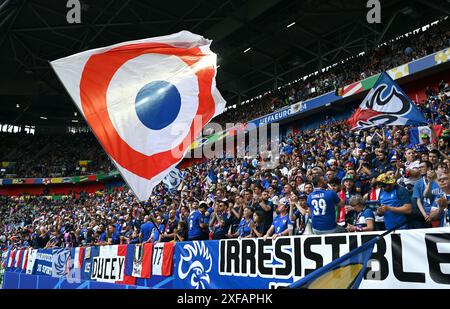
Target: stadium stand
[(350, 162), (370, 63)]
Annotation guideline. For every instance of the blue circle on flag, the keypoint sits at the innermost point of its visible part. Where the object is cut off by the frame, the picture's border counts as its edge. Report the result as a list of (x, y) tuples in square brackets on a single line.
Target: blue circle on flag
[(158, 104)]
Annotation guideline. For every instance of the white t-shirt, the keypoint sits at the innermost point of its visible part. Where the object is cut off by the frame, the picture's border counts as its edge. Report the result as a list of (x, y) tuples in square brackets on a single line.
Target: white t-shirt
[(409, 166)]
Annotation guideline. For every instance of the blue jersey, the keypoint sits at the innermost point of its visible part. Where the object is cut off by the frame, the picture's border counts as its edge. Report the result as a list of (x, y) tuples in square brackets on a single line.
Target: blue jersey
[(323, 209), (115, 238), (156, 233), (244, 227), (146, 230), (118, 227), (220, 230), (396, 198), (280, 223), (194, 230), (444, 216), (207, 215), (419, 189), (362, 218)]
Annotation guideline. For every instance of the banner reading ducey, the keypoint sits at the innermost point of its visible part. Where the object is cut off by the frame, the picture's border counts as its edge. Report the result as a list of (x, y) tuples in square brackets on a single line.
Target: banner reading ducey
[(404, 259)]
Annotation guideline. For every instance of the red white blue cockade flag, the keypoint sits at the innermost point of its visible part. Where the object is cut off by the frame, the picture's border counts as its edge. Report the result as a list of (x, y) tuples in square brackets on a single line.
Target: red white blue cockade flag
[(386, 104), (140, 99)]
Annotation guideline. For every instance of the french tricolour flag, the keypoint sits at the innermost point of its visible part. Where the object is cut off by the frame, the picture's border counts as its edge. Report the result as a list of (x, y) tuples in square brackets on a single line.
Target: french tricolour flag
[(416, 133), (18, 259), (139, 260), (163, 259), (109, 265), (11, 258), (24, 263), (77, 255)]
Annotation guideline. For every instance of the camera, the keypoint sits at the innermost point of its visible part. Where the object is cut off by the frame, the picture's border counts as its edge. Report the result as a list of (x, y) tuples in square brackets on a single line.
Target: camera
[(372, 205)]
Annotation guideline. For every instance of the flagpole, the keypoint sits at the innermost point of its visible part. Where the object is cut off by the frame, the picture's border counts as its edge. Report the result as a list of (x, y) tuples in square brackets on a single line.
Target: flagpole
[(154, 223), (392, 229)]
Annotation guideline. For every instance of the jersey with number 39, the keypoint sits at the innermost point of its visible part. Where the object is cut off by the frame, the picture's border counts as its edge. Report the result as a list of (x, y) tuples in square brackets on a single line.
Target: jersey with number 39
[(322, 203)]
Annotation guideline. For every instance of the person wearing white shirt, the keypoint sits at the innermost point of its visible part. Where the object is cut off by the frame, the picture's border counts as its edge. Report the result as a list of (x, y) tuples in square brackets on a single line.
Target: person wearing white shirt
[(412, 173)]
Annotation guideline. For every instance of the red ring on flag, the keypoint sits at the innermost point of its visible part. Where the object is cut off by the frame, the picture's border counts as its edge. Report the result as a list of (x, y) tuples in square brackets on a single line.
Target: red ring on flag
[(95, 79)]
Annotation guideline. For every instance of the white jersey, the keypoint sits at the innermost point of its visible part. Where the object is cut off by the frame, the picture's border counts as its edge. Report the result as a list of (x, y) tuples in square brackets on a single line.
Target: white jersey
[(409, 166)]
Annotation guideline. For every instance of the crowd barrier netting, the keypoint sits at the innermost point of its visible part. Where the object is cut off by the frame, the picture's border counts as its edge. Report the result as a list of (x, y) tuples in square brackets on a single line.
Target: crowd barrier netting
[(404, 259)]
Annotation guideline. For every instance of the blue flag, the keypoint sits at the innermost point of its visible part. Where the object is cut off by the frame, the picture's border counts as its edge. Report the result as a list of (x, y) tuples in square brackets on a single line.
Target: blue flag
[(386, 104), (129, 259), (345, 272)]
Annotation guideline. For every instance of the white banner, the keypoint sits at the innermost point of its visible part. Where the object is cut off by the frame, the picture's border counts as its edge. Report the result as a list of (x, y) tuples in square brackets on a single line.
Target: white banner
[(108, 266), (405, 259), (416, 259), (31, 261)]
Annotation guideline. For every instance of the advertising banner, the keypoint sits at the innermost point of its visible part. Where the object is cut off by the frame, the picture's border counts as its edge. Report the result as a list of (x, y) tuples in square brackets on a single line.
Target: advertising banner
[(43, 262), (404, 259)]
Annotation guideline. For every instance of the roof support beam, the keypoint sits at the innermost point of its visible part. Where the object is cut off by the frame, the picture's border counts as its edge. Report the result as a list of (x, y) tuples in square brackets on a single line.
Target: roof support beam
[(297, 67), (386, 28), (124, 5), (434, 5), (247, 12)]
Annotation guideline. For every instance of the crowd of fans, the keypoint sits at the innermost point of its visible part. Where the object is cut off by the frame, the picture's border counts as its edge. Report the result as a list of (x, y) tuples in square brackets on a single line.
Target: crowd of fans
[(326, 180), (59, 156), (383, 58), (36, 156)]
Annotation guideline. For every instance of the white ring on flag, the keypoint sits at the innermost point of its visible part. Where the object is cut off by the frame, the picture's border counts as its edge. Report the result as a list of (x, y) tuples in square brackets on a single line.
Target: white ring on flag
[(125, 85)]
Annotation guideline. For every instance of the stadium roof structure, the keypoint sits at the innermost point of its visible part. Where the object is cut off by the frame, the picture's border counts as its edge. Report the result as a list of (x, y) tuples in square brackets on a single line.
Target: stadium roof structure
[(261, 44)]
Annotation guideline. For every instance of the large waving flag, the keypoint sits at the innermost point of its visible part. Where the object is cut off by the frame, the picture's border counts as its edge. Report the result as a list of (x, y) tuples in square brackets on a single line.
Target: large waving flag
[(345, 272), (145, 101), (386, 104)]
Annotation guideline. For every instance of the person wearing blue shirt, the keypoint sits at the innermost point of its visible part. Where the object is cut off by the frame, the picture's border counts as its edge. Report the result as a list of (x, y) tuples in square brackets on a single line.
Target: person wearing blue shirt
[(146, 230), (440, 208), (423, 195), (244, 228), (280, 223), (102, 238), (220, 221), (197, 229), (117, 224), (266, 207), (112, 237), (364, 219), (323, 204), (298, 213), (208, 213), (156, 233), (288, 149), (395, 203), (381, 164)]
